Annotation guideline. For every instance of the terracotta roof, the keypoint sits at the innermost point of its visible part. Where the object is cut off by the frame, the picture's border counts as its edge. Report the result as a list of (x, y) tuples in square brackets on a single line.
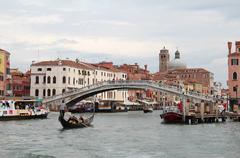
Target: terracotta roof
[(189, 70), (101, 67), (1, 50), (69, 63)]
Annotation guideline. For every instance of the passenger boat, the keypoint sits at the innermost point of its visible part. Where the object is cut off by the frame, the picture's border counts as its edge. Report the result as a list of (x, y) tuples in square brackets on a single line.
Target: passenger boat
[(21, 109), (74, 122), (172, 114), (147, 106), (82, 107), (147, 109)]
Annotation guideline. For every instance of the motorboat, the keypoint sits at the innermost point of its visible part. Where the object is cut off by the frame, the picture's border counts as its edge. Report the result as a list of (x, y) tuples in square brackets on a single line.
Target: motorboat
[(172, 114)]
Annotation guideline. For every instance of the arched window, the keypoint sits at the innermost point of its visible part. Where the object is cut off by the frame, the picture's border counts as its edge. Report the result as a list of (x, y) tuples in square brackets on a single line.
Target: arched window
[(54, 79), (48, 79), (36, 92), (69, 80), (63, 90), (73, 81), (37, 80), (235, 76), (44, 79), (44, 92), (49, 92), (54, 92), (64, 79)]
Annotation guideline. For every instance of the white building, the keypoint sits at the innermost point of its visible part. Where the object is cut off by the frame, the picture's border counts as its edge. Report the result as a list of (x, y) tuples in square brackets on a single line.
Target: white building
[(49, 78)]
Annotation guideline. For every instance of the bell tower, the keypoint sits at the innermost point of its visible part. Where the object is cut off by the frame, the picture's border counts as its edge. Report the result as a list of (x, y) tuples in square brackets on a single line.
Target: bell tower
[(163, 60)]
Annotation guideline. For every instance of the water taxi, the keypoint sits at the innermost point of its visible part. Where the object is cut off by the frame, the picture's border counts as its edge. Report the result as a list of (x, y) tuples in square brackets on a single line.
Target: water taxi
[(20, 109), (172, 114)]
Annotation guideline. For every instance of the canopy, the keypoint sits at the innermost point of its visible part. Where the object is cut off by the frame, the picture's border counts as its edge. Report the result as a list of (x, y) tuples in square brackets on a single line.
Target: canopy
[(127, 102)]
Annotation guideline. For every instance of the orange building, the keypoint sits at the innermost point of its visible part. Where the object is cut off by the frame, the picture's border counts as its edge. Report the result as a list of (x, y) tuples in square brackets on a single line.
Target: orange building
[(234, 73), (5, 76)]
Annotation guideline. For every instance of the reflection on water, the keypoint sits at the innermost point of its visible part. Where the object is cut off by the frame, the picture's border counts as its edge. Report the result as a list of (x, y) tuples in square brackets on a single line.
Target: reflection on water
[(132, 134)]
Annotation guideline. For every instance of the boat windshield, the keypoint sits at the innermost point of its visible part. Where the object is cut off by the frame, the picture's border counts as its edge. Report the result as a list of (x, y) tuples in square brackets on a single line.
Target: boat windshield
[(6, 104), (23, 104), (171, 109)]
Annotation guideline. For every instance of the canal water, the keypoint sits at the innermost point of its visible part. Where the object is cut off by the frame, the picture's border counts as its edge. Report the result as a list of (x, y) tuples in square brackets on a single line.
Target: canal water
[(119, 135)]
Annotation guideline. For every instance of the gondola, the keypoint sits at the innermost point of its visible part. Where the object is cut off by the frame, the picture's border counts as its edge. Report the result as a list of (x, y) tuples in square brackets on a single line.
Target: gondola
[(75, 123)]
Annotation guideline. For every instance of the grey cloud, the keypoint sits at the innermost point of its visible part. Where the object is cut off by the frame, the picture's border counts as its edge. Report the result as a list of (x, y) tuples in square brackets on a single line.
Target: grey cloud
[(199, 28)]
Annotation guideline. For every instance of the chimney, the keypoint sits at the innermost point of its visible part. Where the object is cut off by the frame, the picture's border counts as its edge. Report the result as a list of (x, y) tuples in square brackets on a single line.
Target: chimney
[(237, 43), (145, 66), (229, 47)]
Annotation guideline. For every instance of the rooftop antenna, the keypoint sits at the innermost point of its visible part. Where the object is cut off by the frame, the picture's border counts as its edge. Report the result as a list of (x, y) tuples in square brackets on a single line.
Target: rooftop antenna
[(38, 56), (59, 56)]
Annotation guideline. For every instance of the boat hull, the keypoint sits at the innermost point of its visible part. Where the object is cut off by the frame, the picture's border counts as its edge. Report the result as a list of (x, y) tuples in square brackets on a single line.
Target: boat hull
[(9, 118), (147, 110), (172, 117), (67, 125)]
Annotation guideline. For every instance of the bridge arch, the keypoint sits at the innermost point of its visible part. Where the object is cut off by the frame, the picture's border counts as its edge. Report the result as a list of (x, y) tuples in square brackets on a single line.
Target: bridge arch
[(79, 94)]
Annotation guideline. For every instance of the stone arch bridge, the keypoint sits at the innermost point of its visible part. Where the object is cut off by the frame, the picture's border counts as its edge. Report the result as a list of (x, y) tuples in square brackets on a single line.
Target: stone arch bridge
[(77, 95)]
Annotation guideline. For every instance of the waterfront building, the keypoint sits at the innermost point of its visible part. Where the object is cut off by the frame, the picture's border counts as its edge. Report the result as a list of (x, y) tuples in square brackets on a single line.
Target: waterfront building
[(135, 72), (20, 83), (49, 78), (5, 76), (106, 71), (233, 81), (176, 70)]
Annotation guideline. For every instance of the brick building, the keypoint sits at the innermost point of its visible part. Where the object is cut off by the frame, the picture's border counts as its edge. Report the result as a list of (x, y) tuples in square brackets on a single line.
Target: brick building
[(20, 83), (234, 73), (135, 72)]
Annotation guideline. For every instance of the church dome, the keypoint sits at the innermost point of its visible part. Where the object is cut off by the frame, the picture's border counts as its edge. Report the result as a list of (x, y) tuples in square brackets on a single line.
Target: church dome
[(177, 63)]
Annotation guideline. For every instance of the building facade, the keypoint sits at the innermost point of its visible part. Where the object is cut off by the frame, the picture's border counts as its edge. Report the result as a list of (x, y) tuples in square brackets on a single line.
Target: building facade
[(20, 83), (164, 58), (5, 76), (135, 72), (233, 81), (49, 78)]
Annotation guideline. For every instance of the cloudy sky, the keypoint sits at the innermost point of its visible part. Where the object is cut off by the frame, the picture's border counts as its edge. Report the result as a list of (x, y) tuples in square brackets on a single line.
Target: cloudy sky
[(122, 31)]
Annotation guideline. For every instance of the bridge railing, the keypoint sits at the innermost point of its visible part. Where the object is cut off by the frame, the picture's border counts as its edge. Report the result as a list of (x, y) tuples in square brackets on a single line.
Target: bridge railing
[(173, 89)]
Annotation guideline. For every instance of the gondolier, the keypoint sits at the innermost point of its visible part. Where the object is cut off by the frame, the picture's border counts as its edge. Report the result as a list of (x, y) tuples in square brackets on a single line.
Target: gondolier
[(62, 108)]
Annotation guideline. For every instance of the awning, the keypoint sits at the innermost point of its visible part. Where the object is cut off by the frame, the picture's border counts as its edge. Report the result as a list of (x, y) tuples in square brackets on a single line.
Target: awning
[(130, 103)]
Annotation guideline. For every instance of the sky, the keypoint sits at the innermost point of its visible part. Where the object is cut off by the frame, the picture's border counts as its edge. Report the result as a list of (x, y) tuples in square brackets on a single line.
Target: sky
[(122, 31)]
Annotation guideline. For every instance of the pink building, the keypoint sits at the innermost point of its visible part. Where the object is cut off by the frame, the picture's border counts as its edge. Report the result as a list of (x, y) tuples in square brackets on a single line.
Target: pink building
[(234, 73)]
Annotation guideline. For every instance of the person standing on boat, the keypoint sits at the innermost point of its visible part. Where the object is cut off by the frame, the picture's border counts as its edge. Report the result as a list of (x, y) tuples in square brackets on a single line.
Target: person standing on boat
[(62, 108)]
